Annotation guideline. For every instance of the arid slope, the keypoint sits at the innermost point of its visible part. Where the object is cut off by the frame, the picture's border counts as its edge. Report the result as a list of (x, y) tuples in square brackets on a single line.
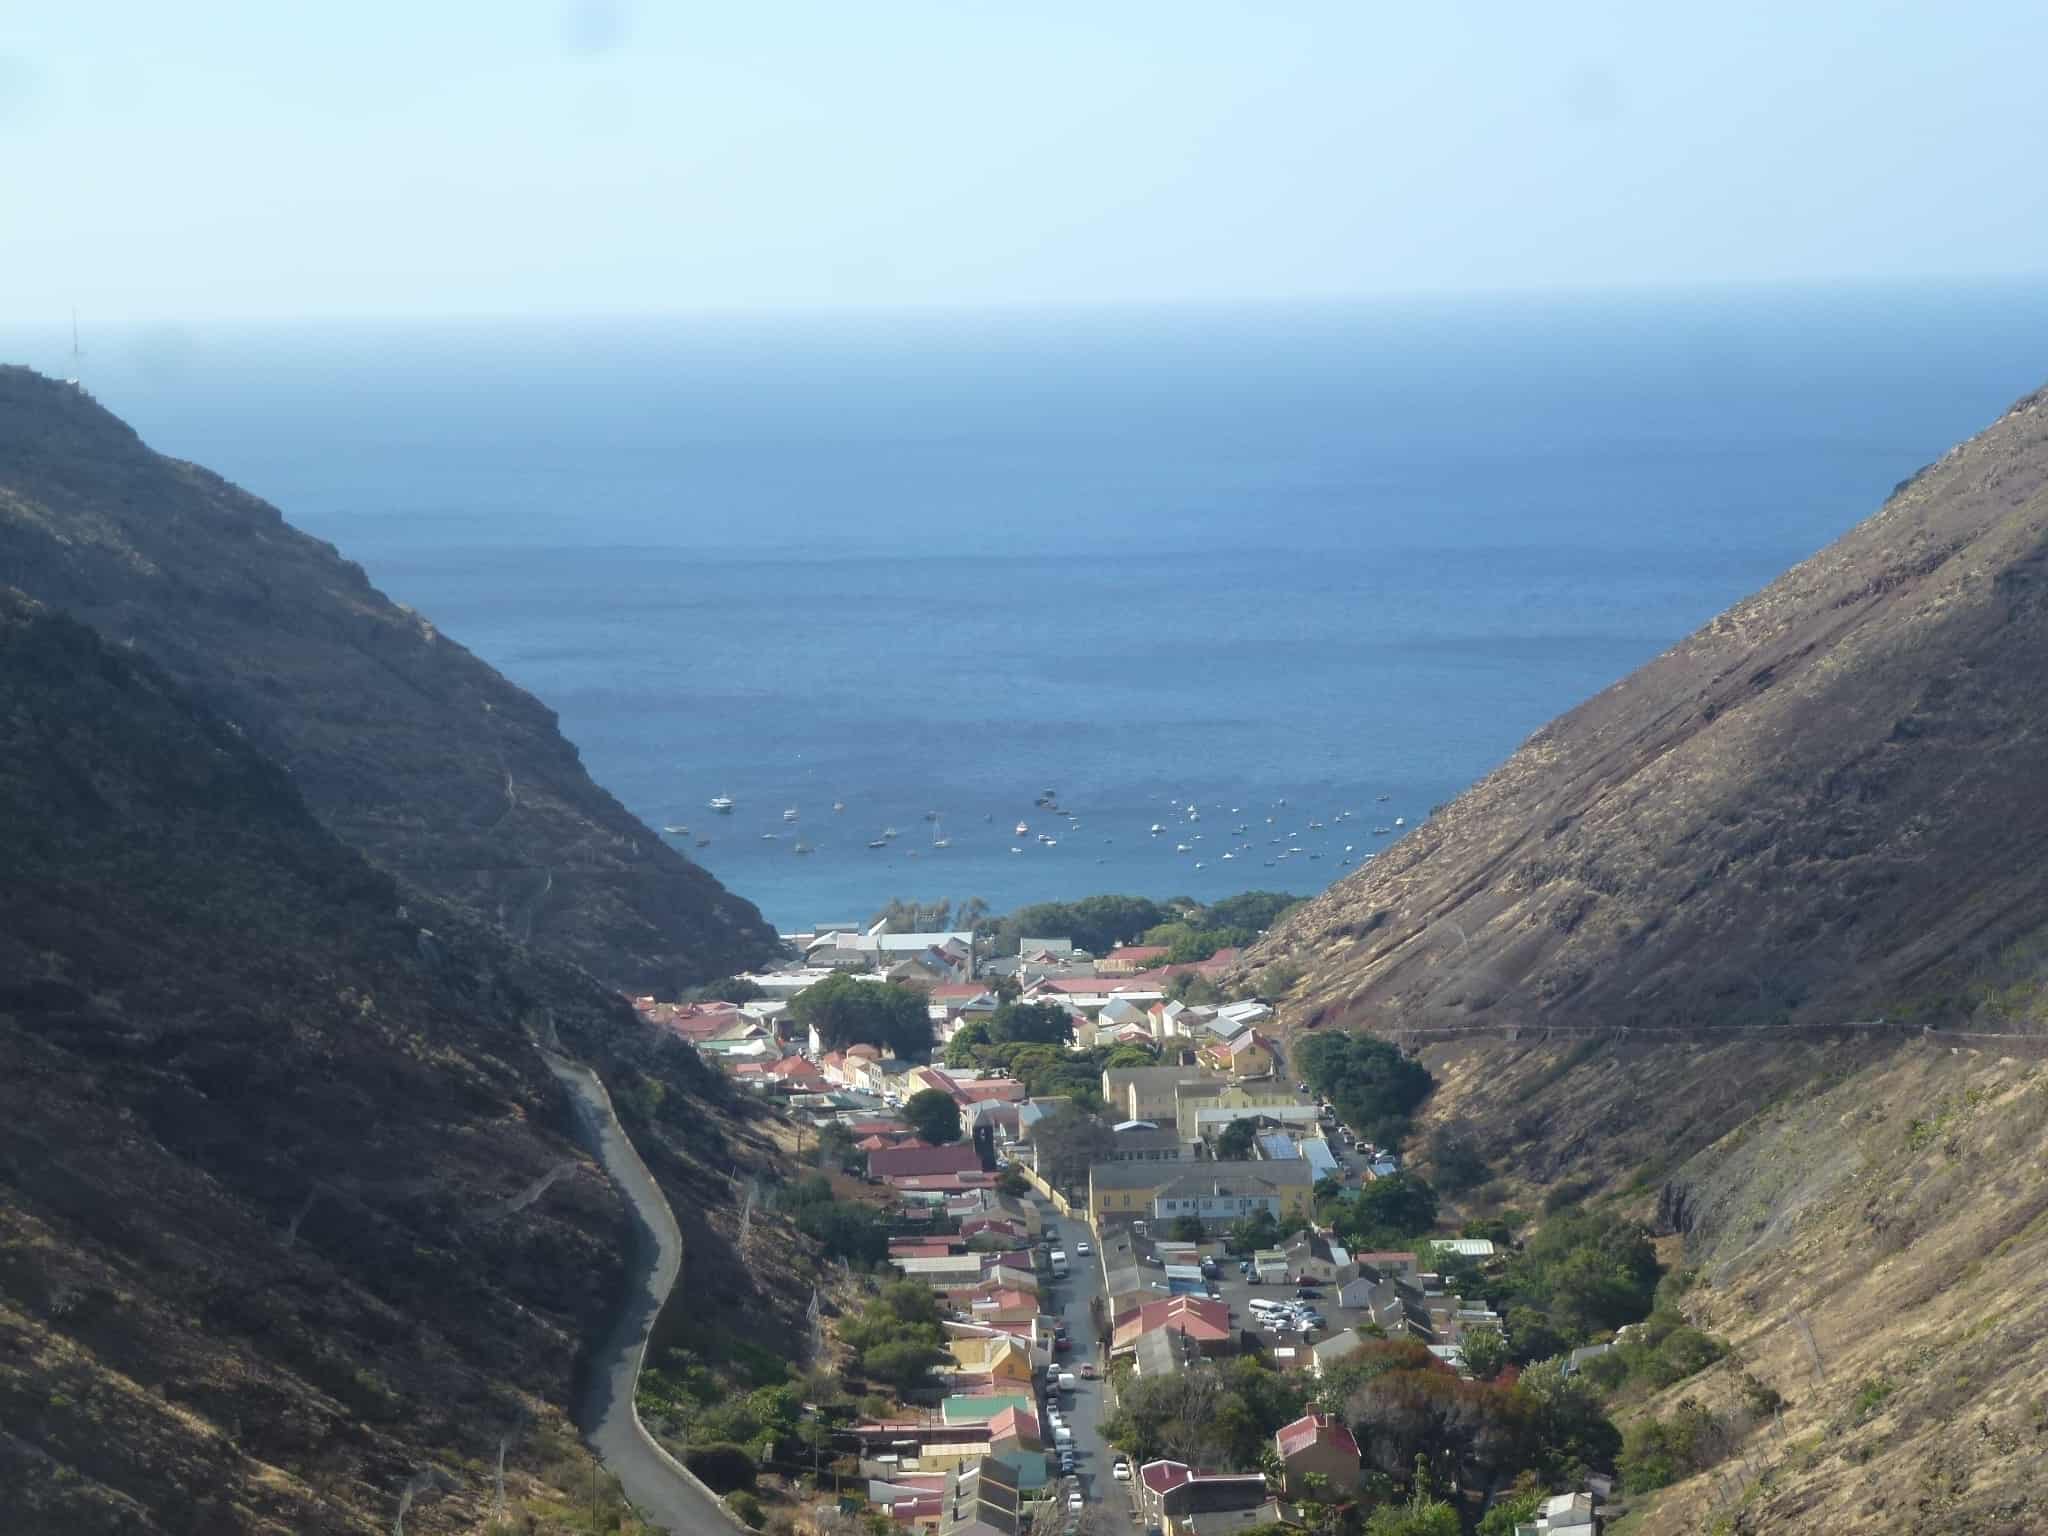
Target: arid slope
[(1829, 802), (287, 1218), (411, 749)]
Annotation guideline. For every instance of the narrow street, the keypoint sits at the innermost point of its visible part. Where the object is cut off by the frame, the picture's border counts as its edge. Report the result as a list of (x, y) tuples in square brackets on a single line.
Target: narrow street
[(1109, 1504)]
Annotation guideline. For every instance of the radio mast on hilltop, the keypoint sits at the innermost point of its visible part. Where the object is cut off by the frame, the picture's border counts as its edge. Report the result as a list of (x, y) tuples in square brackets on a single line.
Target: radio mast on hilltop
[(76, 355)]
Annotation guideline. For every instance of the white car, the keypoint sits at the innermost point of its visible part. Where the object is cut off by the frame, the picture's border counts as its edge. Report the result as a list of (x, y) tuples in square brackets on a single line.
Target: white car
[(1083, 1249), (1121, 1471), (1074, 1502)]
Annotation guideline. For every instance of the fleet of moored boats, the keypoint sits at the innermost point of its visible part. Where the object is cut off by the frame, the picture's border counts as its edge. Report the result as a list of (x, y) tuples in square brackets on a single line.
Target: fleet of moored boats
[(1188, 814)]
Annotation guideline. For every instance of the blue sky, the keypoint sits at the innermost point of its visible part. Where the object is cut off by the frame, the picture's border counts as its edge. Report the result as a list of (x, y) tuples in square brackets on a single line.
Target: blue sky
[(214, 160)]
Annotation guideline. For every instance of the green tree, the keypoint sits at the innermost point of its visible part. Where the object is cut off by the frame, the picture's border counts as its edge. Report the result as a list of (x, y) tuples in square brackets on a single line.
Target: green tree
[(1486, 1351), (1067, 1143), (1571, 1433), (905, 1364), (846, 1010), (1513, 1510), (1185, 1229), (1373, 1087), (1455, 1155), (967, 1040), (1386, 1211), (1194, 989), (1131, 1056), (933, 1115), (1423, 1515), (1234, 1142), (1031, 1024)]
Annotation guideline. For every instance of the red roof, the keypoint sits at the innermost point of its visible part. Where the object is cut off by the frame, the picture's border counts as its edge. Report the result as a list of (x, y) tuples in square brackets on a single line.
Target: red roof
[(909, 1160), (1164, 1476), (1137, 954), (1304, 1432), (1197, 1318), (1004, 1091)]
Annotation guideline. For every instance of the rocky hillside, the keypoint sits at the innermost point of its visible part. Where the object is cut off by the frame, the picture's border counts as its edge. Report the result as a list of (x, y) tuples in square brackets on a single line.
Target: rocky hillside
[(287, 1218), (1873, 1249), (411, 749), (1829, 803)]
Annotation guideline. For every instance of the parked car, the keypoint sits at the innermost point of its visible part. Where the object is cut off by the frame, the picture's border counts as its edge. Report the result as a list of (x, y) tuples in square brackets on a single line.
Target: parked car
[(1088, 1369), (1308, 1293), (1062, 1344), (1074, 1501), (1121, 1471)]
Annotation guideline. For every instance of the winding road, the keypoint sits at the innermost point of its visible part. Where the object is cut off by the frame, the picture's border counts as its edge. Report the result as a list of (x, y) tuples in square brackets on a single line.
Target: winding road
[(654, 1481)]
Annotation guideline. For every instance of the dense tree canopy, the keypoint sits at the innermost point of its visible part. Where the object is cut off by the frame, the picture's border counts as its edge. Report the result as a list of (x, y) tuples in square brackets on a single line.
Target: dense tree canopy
[(1234, 1141), (1067, 1141), (847, 1010), (1371, 1085), (933, 1115), (1096, 923), (1384, 1213), (846, 1230), (1030, 1024), (1584, 1273), (1222, 1414)]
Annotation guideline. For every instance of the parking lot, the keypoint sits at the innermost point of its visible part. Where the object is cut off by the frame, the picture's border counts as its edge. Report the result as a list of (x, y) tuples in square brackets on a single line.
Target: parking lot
[(1238, 1291)]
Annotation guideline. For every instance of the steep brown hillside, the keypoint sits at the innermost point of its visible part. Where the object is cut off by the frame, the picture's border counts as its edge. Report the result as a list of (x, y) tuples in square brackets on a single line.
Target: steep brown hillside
[(409, 747), (288, 1221), (1831, 802), (1873, 1250)]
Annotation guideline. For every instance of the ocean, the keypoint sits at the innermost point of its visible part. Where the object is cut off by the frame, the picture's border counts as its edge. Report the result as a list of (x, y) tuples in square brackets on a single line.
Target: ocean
[(1289, 566)]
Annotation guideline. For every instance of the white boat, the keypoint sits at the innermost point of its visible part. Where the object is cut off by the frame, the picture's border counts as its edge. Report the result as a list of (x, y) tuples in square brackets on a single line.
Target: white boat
[(1157, 829), (801, 847), (677, 831), (722, 804), (878, 842), (1015, 849), (1050, 842), (1023, 830), (1182, 848), (790, 814), (771, 837), (939, 838), (838, 806), (1400, 821), (888, 834)]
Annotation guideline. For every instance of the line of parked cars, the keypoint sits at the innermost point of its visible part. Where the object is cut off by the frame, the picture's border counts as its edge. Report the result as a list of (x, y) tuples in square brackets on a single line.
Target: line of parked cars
[(1287, 1316)]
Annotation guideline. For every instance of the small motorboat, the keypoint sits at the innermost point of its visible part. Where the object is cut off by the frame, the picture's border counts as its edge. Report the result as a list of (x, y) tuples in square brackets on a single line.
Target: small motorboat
[(790, 814), (677, 831), (1400, 821), (1157, 829), (838, 806), (878, 842), (1023, 830), (1182, 848), (800, 847), (703, 842), (722, 804)]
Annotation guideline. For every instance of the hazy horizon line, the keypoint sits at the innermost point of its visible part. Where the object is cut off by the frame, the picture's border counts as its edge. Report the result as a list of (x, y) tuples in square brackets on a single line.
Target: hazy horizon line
[(814, 312)]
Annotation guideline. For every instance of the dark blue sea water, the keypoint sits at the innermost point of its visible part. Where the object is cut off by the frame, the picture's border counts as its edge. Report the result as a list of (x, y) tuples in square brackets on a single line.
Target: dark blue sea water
[(942, 562)]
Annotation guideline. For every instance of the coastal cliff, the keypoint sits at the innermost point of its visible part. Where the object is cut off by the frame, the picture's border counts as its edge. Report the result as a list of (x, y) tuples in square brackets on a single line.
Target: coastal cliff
[(406, 745)]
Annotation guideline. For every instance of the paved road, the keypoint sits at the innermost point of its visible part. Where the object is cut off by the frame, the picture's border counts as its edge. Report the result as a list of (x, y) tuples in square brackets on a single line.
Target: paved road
[(657, 1487), (1109, 1505)]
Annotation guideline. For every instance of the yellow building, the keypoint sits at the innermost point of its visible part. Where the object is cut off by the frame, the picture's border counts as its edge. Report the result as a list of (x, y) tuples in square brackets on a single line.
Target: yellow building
[(1205, 1108)]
